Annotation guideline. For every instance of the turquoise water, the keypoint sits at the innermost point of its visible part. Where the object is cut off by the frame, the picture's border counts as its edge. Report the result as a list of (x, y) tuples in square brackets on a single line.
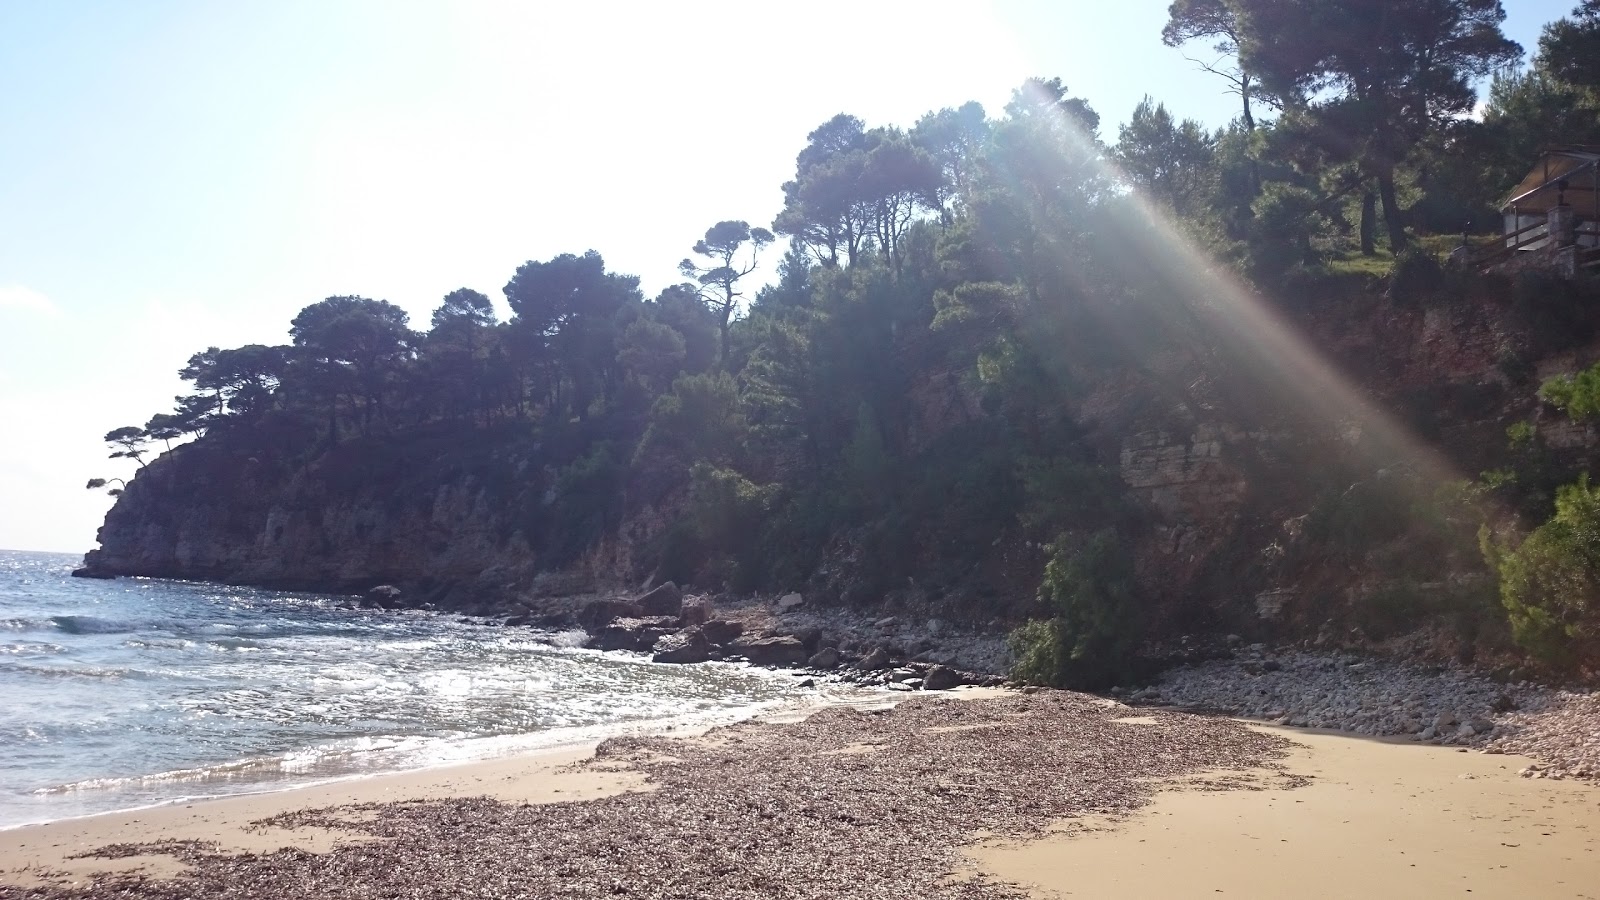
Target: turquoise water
[(127, 693)]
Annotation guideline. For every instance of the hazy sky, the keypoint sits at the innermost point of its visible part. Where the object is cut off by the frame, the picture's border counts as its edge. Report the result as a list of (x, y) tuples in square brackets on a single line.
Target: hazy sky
[(175, 175)]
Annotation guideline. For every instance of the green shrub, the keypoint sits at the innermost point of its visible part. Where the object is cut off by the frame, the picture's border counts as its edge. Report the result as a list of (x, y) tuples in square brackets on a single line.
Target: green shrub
[(1577, 395), (1416, 276), (1550, 583), (1090, 640)]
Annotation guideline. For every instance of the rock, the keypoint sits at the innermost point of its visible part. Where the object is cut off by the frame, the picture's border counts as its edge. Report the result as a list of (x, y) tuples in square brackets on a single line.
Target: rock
[(665, 600), (695, 612), (637, 635), (809, 682), (91, 572), (687, 646), (790, 601), (721, 631), (1502, 702), (886, 623), (1444, 720), (899, 675), (877, 659), (826, 658), (521, 621), (783, 650), (811, 636), (1271, 665), (941, 678), (384, 596), (1427, 734), (597, 614)]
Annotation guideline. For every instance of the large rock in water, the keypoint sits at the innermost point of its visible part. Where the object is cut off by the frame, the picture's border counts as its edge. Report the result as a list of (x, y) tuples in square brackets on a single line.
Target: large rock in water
[(597, 614), (638, 635), (384, 596), (783, 650), (665, 600), (687, 646)]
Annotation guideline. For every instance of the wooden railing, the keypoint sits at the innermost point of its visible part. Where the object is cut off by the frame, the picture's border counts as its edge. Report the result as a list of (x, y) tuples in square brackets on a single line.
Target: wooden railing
[(1506, 244)]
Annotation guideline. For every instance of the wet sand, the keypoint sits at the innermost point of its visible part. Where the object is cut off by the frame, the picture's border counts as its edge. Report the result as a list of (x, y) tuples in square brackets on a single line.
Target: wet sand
[(1379, 819)]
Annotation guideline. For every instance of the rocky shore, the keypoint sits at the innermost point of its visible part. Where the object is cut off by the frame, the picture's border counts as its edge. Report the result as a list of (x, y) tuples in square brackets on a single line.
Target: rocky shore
[(1452, 706), (902, 654)]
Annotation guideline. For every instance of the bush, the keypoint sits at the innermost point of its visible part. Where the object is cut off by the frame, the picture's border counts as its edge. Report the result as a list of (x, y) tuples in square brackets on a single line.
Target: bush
[(1550, 584), (1090, 641), (1416, 276)]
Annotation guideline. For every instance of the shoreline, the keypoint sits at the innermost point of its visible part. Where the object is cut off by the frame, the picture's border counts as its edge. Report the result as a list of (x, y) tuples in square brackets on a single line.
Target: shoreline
[(1001, 795), (493, 749)]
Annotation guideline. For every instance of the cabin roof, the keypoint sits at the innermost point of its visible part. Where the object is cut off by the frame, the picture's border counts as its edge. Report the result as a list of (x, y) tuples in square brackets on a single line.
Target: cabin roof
[(1576, 165)]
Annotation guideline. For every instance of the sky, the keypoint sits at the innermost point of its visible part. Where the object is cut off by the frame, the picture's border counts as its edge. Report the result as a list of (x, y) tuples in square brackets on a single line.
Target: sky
[(177, 175)]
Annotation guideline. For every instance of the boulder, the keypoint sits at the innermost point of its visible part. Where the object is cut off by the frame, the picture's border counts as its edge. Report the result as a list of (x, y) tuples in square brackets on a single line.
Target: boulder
[(783, 650), (637, 635), (877, 659), (941, 678), (687, 646), (597, 614), (695, 612), (384, 596), (887, 622), (826, 658), (790, 601), (91, 572), (721, 631), (810, 636), (665, 600)]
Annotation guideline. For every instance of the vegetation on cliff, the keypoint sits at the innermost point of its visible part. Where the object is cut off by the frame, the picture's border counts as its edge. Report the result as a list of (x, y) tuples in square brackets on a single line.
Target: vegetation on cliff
[(973, 314)]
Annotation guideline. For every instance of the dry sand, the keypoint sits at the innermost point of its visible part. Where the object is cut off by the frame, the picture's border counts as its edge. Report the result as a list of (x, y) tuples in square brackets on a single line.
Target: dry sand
[(1379, 819), (44, 854)]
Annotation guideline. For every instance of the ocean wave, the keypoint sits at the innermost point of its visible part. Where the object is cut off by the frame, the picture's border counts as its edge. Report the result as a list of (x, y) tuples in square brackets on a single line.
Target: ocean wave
[(105, 673), (90, 625), (31, 648)]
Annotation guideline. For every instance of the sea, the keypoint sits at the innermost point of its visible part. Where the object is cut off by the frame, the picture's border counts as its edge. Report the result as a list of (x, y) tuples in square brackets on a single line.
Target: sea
[(137, 692)]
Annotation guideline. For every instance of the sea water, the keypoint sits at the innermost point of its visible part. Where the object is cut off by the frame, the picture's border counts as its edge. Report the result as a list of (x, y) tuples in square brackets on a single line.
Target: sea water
[(128, 693)]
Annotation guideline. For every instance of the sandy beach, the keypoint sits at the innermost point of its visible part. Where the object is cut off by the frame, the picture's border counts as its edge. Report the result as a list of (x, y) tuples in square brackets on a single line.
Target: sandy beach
[(1378, 819), (1008, 796)]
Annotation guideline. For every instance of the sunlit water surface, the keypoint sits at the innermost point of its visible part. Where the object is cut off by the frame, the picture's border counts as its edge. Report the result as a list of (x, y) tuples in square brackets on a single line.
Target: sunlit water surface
[(127, 693)]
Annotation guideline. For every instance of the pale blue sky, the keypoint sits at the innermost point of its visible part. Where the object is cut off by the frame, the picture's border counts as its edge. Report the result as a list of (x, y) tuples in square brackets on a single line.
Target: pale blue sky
[(180, 174)]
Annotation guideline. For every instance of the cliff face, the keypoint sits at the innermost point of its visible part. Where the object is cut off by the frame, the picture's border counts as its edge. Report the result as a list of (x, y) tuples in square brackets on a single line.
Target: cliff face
[(203, 511), (1254, 523)]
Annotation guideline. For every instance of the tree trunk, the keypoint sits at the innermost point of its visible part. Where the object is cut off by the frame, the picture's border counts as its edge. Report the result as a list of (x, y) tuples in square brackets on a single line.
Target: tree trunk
[(1369, 222), (1391, 211), (1244, 94)]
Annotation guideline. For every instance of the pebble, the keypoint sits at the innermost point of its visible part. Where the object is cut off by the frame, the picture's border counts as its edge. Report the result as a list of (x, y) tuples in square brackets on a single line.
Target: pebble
[(1454, 706)]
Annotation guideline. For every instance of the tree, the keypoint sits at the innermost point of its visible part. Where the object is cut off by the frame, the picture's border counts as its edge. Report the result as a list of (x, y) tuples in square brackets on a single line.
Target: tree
[(464, 307), (1192, 20), (353, 347), (129, 442), (1570, 48), (1170, 161), (567, 310), (1379, 75), (954, 139), (819, 209), (723, 246)]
